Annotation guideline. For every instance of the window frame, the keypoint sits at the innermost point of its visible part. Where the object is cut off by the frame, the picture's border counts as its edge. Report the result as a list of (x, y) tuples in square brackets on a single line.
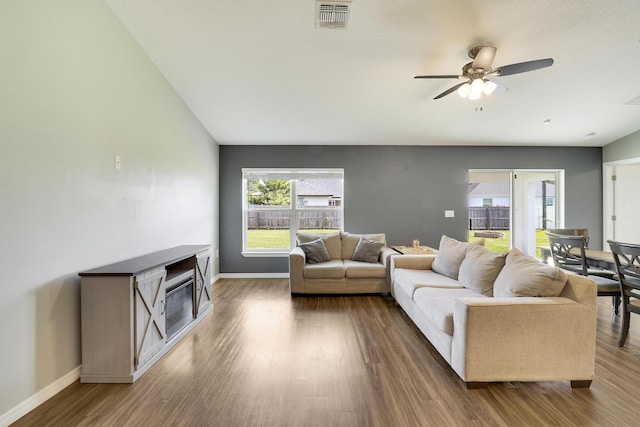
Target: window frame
[(292, 175)]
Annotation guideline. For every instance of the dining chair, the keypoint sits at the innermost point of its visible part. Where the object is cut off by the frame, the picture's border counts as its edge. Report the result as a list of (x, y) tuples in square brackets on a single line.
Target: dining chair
[(572, 232), (627, 259), (568, 253)]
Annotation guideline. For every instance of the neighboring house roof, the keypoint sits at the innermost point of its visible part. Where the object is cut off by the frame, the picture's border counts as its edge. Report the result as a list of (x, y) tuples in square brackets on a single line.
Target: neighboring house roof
[(489, 189), (319, 187)]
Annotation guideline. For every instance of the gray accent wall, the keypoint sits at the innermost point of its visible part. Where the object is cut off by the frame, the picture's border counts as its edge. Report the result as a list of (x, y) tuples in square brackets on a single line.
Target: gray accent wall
[(403, 191), (76, 91)]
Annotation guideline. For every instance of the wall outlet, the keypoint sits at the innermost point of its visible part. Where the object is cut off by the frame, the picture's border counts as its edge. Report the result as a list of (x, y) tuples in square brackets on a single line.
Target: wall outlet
[(117, 162), (217, 253), (449, 214)]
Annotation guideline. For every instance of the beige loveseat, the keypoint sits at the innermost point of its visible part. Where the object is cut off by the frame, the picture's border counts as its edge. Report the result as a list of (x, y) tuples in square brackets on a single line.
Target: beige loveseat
[(500, 317), (340, 274)]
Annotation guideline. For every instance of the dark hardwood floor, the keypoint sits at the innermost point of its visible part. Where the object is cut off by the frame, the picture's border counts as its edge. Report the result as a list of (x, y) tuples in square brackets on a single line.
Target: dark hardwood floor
[(266, 359)]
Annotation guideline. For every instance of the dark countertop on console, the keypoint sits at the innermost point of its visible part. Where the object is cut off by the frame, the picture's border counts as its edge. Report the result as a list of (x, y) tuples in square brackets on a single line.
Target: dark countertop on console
[(134, 266)]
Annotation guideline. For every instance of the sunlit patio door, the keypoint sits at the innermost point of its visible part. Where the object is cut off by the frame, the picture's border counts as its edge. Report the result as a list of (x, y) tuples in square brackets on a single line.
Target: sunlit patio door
[(513, 208)]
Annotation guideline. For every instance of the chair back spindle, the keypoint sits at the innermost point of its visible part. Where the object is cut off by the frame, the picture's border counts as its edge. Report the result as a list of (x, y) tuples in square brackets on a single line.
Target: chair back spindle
[(568, 252), (627, 260), (572, 232)]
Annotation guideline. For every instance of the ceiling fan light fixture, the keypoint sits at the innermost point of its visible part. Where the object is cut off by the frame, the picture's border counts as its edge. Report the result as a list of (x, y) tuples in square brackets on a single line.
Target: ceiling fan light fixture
[(489, 87), (474, 95), (476, 86), (475, 89), (480, 70), (464, 90)]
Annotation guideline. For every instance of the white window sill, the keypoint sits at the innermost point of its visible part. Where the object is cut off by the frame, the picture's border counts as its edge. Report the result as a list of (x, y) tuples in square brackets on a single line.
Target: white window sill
[(265, 254)]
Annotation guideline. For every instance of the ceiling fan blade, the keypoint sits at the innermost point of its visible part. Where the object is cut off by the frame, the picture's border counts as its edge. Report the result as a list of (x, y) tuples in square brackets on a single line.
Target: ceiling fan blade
[(450, 90), (523, 67), (446, 76), (484, 57)]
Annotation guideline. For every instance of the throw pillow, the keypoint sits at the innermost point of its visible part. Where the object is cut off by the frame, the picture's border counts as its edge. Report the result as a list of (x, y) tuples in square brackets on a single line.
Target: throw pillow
[(450, 255), (331, 241), (525, 276), (350, 241), (367, 251), (315, 251), (480, 268)]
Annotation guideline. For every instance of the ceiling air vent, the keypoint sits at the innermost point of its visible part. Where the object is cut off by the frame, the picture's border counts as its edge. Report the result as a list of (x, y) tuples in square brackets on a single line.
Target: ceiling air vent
[(333, 14)]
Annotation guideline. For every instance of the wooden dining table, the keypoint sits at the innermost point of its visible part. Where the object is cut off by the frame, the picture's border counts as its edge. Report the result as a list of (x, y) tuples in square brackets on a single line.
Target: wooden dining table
[(600, 259), (597, 259)]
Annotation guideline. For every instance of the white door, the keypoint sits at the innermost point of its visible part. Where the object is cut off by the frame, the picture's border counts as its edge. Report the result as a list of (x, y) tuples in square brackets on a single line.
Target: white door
[(622, 222), (537, 206)]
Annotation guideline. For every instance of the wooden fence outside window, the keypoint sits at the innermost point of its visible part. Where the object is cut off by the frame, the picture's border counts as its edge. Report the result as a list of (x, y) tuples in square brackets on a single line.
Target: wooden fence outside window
[(279, 220), (489, 218)]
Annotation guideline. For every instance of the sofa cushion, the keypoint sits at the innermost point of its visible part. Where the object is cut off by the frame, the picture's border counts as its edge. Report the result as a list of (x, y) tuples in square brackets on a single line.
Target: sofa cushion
[(480, 268), (437, 304), (450, 255), (525, 276), (333, 269), (350, 241), (315, 251), (367, 250), (360, 270), (331, 241), (409, 280)]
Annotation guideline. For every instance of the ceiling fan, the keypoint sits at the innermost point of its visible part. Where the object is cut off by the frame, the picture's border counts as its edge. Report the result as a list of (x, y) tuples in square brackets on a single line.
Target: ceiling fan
[(479, 75)]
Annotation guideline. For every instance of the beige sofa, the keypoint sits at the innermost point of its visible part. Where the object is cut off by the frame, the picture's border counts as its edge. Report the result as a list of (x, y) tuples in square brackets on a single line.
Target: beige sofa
[(340, 274), (506, 336)]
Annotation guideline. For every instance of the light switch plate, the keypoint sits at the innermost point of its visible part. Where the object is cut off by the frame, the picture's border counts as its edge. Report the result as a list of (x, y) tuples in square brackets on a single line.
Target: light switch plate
[(449, 214)]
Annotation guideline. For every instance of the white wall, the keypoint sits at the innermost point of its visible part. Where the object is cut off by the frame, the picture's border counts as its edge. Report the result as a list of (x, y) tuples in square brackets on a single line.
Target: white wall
[(624, 148), (75, 91)]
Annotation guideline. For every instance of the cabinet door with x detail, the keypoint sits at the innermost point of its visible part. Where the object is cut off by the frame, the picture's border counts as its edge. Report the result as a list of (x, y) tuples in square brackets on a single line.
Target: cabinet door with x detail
[(150, 331), (203, 281)]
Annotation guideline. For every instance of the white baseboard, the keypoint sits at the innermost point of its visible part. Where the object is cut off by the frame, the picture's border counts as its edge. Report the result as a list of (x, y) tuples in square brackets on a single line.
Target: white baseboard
[(253, 276), (40, 397)]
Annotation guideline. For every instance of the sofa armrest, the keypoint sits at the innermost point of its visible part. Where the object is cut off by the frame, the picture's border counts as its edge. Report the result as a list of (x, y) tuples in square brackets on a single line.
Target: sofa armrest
[(531, 338), (297, 261), (413, 262), (580, 289), (385, 256)]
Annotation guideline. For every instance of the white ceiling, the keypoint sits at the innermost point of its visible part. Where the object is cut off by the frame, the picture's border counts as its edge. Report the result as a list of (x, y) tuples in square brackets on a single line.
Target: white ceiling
[(260, 72)]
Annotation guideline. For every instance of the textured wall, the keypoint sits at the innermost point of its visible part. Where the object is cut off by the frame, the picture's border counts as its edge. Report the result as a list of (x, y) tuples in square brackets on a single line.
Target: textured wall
[(404, 191)]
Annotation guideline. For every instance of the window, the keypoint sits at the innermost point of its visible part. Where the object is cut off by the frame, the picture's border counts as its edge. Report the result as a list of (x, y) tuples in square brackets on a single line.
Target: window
[(278, 203), (487, 202)]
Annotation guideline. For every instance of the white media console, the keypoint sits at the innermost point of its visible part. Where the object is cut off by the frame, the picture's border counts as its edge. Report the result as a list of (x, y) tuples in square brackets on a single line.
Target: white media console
[(135, 311)]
